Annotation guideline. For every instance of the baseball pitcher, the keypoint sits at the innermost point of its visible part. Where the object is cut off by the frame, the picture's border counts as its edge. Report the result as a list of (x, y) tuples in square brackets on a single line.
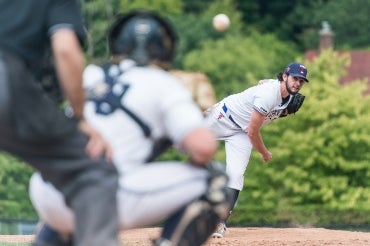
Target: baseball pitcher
[(238, 118)]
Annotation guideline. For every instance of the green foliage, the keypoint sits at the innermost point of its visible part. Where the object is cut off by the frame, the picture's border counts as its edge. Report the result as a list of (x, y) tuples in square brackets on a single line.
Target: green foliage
[(195, 28), (14, 177), (97, 16), (305, 21), (196, 6), (349, 28), (299, 21), (320, 155), (14, 244), (236, 62), (162, 6)]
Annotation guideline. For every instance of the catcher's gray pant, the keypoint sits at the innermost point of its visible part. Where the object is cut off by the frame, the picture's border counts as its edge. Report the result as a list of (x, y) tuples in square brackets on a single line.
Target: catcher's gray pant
[(34, 129), (146, 195)]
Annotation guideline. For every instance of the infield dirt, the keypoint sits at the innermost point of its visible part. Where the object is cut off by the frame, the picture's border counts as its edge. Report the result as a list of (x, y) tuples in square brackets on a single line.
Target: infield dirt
[(250, 236)]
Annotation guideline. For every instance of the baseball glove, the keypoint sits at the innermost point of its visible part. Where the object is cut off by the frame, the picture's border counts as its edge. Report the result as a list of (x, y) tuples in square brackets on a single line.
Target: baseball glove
[(294, 104)]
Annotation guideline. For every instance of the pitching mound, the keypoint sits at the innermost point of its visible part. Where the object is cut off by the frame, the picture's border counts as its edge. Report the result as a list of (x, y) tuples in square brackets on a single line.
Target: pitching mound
[(258, 236), (251, 236)]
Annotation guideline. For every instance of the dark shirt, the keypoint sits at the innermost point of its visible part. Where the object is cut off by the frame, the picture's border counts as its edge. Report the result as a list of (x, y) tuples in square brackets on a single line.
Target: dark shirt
[(26, 25)]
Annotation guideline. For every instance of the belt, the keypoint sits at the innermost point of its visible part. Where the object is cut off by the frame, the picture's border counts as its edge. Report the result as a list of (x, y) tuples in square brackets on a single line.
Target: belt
[(224, 108)]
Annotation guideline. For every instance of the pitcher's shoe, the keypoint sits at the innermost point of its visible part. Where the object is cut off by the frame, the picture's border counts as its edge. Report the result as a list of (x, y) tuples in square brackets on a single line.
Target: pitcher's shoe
[(220, 231)]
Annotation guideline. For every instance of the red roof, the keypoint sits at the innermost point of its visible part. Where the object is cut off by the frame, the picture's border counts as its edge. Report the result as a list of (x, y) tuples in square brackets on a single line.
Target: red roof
[(358, 69)]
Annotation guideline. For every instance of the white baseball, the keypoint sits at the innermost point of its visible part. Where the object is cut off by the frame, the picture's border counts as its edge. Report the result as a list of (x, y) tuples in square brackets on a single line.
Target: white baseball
[(221, 22)]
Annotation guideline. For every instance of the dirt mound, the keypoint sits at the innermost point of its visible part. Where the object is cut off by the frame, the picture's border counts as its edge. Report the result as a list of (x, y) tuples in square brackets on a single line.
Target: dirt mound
[(251, 236)]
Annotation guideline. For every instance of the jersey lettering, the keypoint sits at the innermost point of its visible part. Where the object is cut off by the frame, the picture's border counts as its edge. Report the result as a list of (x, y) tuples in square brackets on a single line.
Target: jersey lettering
[(274, 114)]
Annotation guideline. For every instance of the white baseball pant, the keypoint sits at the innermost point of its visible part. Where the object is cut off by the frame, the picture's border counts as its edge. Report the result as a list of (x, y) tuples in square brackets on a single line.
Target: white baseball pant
[(146, 195), (238, 146)]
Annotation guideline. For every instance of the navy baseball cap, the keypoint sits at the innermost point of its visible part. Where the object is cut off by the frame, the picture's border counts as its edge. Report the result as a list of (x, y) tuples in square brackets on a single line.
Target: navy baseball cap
[(297, 70)]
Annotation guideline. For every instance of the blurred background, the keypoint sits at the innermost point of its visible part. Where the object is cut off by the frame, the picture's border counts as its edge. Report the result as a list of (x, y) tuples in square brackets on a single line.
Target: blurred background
[(320, 172)]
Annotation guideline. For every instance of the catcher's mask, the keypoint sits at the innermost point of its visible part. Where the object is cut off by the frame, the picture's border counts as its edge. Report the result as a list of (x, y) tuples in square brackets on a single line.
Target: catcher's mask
[(144, 37)]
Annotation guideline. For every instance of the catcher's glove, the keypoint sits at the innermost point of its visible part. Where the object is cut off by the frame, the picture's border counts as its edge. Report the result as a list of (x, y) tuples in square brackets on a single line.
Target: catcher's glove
[(294, 104)]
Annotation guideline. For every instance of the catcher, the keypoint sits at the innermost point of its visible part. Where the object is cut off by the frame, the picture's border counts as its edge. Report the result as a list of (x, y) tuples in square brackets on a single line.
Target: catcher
[(238, 118), (140, 108)]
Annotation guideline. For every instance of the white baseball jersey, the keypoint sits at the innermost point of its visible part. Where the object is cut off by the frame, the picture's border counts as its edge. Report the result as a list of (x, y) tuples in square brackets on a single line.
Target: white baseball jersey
[(229, 120), (265, 98), (153, 95), (148, 192)]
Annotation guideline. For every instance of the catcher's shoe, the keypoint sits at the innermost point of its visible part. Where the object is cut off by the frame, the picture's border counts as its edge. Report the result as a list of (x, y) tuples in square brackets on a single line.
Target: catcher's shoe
[(201, 217), (161, 242), (220, 231), (196, 225), (46, 236)]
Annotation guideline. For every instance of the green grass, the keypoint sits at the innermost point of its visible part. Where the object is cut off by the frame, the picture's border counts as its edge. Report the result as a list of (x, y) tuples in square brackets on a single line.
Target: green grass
[(14, 244)]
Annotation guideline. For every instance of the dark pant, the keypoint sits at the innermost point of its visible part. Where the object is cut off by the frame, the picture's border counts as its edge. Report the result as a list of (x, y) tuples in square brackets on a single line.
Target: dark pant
[(33, 128)]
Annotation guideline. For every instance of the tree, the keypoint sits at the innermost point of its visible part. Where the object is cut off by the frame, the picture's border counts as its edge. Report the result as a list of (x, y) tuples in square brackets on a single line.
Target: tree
[(97, 16), (14, 178), (236, 62), (348, 28), (164, 7), (320, 155)]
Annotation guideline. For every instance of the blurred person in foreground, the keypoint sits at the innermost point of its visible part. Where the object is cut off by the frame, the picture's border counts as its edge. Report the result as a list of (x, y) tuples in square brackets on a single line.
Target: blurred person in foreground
[(141, 109), (36, 38)]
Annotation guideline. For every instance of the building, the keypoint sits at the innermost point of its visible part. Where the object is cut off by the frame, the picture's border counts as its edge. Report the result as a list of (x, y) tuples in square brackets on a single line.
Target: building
[(360, 59)]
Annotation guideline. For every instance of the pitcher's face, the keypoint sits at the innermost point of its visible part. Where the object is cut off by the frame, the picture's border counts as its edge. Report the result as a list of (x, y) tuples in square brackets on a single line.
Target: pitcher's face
[(293, 84)]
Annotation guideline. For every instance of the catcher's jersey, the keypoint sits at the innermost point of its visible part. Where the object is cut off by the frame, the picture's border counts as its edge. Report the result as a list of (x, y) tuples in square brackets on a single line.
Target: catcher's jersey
[(154, 96), (264, 97)]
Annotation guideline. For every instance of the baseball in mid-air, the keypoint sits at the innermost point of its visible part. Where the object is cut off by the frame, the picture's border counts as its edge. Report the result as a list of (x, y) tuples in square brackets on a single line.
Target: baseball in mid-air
[(221, 22)]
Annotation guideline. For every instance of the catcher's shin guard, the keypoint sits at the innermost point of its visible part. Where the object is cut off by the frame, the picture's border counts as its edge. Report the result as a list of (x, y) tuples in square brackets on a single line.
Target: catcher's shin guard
[(200, 218)]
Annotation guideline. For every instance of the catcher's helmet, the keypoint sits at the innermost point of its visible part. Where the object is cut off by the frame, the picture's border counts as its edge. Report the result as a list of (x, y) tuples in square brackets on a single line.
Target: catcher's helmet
[(143, 36)]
